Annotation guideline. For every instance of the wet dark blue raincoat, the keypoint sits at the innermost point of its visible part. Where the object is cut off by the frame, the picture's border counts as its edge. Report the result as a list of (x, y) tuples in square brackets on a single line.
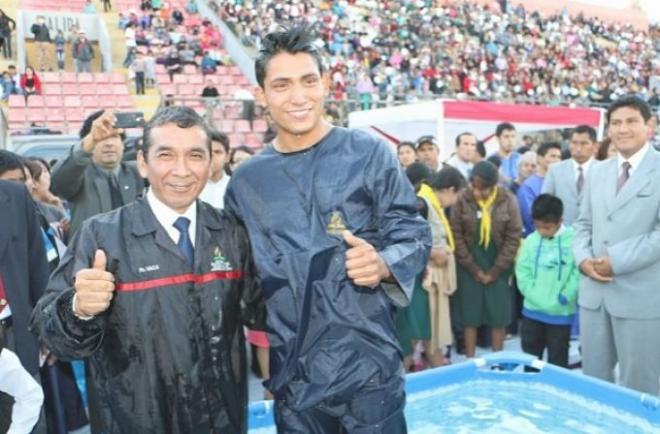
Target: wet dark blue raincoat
[(168, 356), (329, 338)]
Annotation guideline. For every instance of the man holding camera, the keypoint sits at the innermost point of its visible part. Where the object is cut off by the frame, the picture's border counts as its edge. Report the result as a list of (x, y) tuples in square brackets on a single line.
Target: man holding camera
[(93, 177)]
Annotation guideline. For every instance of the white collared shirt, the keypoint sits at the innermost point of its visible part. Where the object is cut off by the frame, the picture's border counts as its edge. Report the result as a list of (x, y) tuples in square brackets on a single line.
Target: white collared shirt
[(214, 192), (19, 384), (585, 168), (465, 167), (635, 160), (166, 216)]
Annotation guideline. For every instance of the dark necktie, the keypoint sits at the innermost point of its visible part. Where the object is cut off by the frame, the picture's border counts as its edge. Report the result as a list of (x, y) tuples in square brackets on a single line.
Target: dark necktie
[(580, 180), (116, 200), (185, 245), (625, 174)]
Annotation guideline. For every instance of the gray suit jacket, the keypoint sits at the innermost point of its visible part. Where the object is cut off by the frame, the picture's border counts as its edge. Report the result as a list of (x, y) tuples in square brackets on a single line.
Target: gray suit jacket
[(561, 182), (85, 186), (625, 227)]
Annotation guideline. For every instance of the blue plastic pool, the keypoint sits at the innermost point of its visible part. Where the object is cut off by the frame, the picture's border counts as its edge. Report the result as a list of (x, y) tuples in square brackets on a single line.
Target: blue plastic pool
[(494, 394)]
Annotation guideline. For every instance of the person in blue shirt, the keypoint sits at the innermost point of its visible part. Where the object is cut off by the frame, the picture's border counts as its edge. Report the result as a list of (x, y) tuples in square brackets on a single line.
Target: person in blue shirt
[(338, 243), (506, 138), (548, 153), (548, 279)]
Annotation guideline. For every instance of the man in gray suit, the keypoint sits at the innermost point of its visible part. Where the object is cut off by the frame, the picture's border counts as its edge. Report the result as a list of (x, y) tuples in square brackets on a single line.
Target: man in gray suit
[(93, 177), (566, 179), (617, 246)]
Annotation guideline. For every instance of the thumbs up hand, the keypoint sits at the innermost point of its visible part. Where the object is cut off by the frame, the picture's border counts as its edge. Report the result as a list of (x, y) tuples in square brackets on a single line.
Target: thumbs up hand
[(364, 266), (94, 288)]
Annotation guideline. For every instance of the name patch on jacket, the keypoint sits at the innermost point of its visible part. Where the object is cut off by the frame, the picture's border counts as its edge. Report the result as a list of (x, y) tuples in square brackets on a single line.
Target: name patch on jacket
[(219, 262)]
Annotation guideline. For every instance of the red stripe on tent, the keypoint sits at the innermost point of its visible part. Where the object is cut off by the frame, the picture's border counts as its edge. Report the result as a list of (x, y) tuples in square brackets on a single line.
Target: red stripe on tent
[(387, 136), (521, 113), (178, 280)]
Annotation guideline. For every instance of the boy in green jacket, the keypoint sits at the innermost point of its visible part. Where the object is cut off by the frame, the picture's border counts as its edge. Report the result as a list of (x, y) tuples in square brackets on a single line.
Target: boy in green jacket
[(548, 280)]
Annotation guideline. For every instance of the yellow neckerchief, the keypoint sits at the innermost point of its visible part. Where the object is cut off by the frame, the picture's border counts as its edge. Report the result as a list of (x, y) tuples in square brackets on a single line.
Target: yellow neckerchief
[(486, 224), (427, 193)]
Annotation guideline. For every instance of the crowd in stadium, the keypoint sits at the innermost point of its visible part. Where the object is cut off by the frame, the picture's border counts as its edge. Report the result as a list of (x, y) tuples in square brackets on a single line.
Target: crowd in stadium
[(405, 50), (332, 257)]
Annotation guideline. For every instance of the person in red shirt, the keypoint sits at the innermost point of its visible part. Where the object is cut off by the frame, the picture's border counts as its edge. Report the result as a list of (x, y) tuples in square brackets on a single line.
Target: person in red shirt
[(30, 82)]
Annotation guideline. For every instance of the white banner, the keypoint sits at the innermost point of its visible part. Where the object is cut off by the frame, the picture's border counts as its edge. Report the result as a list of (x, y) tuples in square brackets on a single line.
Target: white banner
[(89, 23)]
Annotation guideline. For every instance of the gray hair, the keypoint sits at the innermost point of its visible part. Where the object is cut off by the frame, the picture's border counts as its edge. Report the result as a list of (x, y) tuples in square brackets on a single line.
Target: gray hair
[(182, 117), (528, 157)]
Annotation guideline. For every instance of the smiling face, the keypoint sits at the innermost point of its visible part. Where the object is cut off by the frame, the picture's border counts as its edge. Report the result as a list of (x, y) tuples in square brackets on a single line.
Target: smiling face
[(628, 130), (177, 164), (294, 92)]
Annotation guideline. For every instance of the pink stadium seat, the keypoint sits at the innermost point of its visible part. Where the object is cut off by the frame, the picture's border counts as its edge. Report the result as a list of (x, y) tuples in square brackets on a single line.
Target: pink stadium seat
[(124, 102), (215, 79), (167, 89), (74, 114), (119, 89), (69, 89), (235, 70), (224, 70), (180, 78), (242, 81), (160, 69), (69, 77), (53, 100), (88, 88), (57, 126), (72, 101), (195, 79), (260, 126), (35, 101), (102, 77), (254, 140), (85, 77), (54, 115), (90, 101), (36, 115), (50, 77), (189, 69), (226, 80), (163, 78), (118, 77), (236, 139), (227, 126), (242, 126), (52, 88), (16, 101), (73, 127), (16, 115), (186, 89)]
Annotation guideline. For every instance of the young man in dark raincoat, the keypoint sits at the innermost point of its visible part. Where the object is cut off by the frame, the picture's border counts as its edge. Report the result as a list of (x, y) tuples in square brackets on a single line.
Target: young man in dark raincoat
[(155, 295), (338, 242)]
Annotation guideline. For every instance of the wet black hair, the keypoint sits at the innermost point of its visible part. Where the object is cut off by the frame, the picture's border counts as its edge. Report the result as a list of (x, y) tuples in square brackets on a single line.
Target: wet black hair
[(298, 39)]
